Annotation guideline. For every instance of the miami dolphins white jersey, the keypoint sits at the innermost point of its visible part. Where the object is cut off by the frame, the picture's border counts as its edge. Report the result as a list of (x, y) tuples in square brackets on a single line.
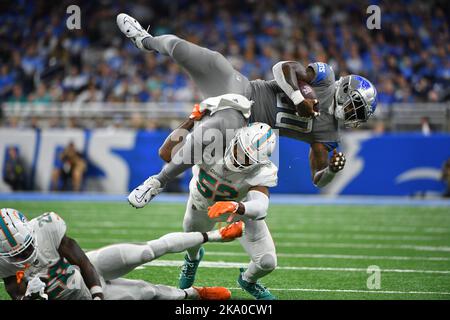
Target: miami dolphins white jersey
[(212, 183), (64, 281)]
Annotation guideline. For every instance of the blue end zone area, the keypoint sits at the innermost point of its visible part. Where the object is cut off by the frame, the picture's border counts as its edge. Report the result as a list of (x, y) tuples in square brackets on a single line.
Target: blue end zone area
[(288, 199)]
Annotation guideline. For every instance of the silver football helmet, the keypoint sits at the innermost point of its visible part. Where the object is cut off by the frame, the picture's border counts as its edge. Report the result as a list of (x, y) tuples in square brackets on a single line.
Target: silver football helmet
[(356, 100)]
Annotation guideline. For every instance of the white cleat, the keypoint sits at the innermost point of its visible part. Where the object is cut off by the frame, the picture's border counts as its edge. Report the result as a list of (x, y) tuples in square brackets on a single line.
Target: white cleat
[(132, 29), (144, 193)]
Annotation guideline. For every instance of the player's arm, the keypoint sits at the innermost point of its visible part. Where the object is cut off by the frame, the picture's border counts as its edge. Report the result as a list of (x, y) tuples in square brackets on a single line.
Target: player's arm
[(189, 152), (323, 170), (15, 290), (254, 207), (174, 139), (179, 134), (70, 250), (287, 75)]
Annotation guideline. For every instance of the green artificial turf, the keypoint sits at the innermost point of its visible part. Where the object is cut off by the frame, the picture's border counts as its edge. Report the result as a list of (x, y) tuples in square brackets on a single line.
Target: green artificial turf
[(323, 251)]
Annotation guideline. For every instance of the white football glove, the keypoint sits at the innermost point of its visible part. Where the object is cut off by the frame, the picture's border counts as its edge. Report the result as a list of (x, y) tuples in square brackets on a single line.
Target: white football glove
[(35, 289), (144, 193)]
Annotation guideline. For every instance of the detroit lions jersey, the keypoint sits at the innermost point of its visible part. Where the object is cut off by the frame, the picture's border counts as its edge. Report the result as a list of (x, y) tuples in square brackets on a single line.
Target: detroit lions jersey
[(64, 281), (275, 108), (212, 183)]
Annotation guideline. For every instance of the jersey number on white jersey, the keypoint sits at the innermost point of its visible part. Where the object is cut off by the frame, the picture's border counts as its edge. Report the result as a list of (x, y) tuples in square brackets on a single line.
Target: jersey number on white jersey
[(209, 187)]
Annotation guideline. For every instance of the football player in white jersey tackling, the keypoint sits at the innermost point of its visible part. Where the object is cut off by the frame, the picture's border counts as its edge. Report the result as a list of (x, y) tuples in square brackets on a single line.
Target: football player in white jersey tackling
[(234, 187), (39, 261)]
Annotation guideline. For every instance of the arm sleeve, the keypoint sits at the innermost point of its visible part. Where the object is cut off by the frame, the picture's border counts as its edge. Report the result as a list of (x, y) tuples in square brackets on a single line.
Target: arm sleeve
[(191, 152), (293, 93), (326, 177), (256, 205), (323, 74)]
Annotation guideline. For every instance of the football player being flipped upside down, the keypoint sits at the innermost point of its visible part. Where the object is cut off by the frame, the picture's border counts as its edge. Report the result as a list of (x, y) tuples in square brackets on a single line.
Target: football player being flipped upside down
[(282, 103)]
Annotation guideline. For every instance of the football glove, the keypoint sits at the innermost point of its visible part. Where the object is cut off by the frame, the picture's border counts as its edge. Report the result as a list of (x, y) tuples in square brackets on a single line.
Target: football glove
[(36, 290), (221, 207)]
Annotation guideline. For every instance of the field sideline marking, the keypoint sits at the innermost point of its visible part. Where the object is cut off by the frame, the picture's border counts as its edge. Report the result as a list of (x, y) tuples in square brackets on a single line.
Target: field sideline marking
[(211, 264), (353, 291)]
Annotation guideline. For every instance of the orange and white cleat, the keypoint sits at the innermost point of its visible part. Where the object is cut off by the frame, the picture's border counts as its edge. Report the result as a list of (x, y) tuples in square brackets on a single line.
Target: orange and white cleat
[(232, 231), (213, 293)]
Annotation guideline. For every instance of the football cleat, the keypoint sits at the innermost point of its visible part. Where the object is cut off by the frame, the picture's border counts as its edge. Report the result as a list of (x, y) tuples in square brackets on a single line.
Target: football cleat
[(255, 289), (188, 270), (132, 29), (213, 293), (144, 193), (232, 231)]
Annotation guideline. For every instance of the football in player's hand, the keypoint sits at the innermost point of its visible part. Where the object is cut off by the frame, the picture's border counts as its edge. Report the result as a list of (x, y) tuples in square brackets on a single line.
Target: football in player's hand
[(310, 106), (307, 91)]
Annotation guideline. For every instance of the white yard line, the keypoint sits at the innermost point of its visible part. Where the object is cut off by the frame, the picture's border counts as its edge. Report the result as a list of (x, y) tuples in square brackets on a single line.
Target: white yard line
[(334, 256), (294, 235), (355, 246), (354, 236), (211, 264), (354, 291), (349, 291), (300, 244), (324, 256), (79, 225)]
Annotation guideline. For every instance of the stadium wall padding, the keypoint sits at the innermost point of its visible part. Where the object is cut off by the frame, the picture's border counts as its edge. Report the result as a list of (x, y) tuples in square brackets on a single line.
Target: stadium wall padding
[(118, 160)]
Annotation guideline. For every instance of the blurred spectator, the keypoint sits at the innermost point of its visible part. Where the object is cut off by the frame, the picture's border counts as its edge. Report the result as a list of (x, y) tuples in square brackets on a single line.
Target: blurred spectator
[(17, 95), (15, 171), (425, 123), (69, 173), (446, 177)]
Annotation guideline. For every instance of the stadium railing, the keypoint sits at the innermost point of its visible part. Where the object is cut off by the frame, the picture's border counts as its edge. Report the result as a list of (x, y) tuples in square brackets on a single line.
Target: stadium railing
[(396, 117)]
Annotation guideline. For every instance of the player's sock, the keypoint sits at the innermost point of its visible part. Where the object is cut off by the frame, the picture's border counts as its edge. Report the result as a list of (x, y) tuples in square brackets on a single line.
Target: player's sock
[(191, 293), (168, 293), (214, 236), (254, 272)]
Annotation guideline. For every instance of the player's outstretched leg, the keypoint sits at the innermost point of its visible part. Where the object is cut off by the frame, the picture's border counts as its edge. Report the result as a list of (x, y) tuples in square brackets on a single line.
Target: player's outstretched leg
[(258, 243), (212, 72), (117, 260), (128, 289)]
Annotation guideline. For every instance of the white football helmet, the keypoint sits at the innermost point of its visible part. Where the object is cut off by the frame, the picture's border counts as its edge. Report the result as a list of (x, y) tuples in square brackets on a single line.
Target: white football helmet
[(17, 241), (251, 146)]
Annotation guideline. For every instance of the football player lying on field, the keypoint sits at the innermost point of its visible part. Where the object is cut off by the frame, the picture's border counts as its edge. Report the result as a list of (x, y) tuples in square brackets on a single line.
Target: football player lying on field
[(39, 261)]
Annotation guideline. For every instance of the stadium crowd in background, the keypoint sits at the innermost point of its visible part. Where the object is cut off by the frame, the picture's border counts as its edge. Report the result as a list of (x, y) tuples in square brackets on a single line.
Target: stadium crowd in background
[(408, 59)]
